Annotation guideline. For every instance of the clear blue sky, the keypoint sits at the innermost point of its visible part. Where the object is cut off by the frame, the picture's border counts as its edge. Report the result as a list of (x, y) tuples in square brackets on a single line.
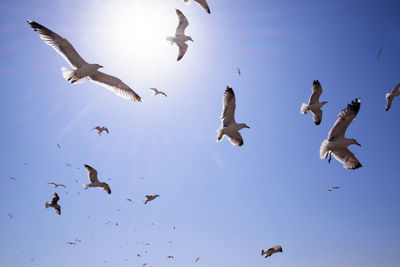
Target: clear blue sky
[(226, 202)]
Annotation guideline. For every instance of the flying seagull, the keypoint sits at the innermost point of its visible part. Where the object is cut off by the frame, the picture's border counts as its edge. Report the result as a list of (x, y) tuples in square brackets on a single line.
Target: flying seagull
[(238, 71), (333, 188), (157, 92), (58, 145), (170, 257), (69, 165), (71, 243), (313, 103), (197, 259), (10, 215), (229, 126), (81, 69), (94, 182), (203, 4), (337, 143), (150, 198), (54, 204), (12, 178), (389, 97), (180, 38), (101, 129), (271, 251), (57, 185), (128, 199), (380, 51)]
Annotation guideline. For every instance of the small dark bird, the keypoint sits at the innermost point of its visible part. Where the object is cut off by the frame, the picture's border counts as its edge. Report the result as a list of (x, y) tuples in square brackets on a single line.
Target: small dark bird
[(54, 204), (56, 185), (333, 188), (69, 165), (197, 259), (10, 215), (150, 198), (71, 243), (12, 178), (238, 71), (170, 257), (58, 145), (380, 51), (101, 129), (271, 251)]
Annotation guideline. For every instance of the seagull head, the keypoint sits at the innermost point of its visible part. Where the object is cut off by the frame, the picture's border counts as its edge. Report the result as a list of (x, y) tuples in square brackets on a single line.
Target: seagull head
[(354, 141), (190, 39), (99, 66)]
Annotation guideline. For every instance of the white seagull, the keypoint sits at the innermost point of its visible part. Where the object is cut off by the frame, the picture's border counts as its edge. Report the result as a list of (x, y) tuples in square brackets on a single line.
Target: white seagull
[(158, 92), (337, 143), (81, 69), (202, 3), (56, 185), (389, 97), (313, 103), (180, 38), (94, 182), (229, 126), (271, 251)]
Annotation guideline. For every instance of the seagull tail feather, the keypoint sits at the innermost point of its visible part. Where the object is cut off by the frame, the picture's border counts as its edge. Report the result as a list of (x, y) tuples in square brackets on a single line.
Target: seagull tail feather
[(171, 39), (220, 135), (323, 152), (71, 76), (304, 108)]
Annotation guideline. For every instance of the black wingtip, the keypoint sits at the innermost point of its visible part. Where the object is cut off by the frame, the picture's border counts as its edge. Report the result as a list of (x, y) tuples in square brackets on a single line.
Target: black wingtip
[(317, 122), (316, 82)]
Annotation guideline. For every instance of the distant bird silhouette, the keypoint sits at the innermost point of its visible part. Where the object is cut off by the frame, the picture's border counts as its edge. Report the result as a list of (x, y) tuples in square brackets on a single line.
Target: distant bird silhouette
[(58, 145), (10, 215), (12, 178), (128, 199), (333, 188), (69, 165), (157, 92), (54, 204), (229, 127), (180, 38), (197, 259), (238, 71), (94, 182), (202, 3), (313, 103), (57, 185), (379, 52), (390, 96), (150, 198), (71, 243), (101, 129), (170, 257), (271, 251)]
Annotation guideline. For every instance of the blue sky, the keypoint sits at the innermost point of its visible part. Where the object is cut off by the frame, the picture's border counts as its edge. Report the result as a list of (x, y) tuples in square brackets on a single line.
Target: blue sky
[(226, 202)]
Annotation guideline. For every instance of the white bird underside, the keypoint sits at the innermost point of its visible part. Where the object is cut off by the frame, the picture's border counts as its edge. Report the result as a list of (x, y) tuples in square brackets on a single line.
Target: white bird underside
[(229, 127), (94, 182), (180, 37), (158, 92), (313, 103), (202, 3), (82, 70), (337, 143), (389, 97)]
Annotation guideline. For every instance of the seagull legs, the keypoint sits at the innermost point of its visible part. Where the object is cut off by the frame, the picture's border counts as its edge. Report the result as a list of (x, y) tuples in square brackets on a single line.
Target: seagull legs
[(330, 157)]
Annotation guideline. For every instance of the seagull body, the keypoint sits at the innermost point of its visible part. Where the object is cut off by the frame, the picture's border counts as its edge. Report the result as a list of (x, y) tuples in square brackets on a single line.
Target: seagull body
[(101, 129), (150, 198), (94, 182), (202, 3), (333, 188), (337, 143), (180, 38), (54, 204), (271, 251), (157, 92), (313, 103), (229, 126), (57, 185), (81, 69), (389, 97)]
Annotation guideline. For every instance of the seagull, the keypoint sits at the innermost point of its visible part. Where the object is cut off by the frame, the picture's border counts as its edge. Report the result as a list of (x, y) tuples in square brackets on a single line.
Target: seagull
[(69, 165), (128, 199), (197, 259), (101, 129), (54, 204), (389, 97), (157, 92), (170, 257), (333, 188), (150, 198), (313, 103), (26, 164), (71, 243), (12, 178), (229, 126), (81, 69), (380, 51), (271, 251), (94, 182), (203, 4), (238, 71), (58, 145), (57, 185), (138, 255), (337, 143), (180, 38), (10, 215)]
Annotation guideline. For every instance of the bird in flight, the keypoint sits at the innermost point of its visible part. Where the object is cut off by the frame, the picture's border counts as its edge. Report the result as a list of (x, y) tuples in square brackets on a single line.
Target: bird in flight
[(238, 71), (12, 178), (81, 69), (71, 243), (271, 251), (197, 259), (180, 38), (229, 127), (150, 198), (128, 199), (202, 3), (57, 185), (94, 182), (313, 103), (58, 145), (333, 188), (157, 92), (54, 204), (390, 96), (379, 51), (101, 129), (337, 143), (170, 257), (69, 165), (10, 215)]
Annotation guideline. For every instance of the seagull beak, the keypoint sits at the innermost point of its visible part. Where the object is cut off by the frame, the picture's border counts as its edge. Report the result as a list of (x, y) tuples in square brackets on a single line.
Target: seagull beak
[(248, 127), (358, 144), (101, 67)]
